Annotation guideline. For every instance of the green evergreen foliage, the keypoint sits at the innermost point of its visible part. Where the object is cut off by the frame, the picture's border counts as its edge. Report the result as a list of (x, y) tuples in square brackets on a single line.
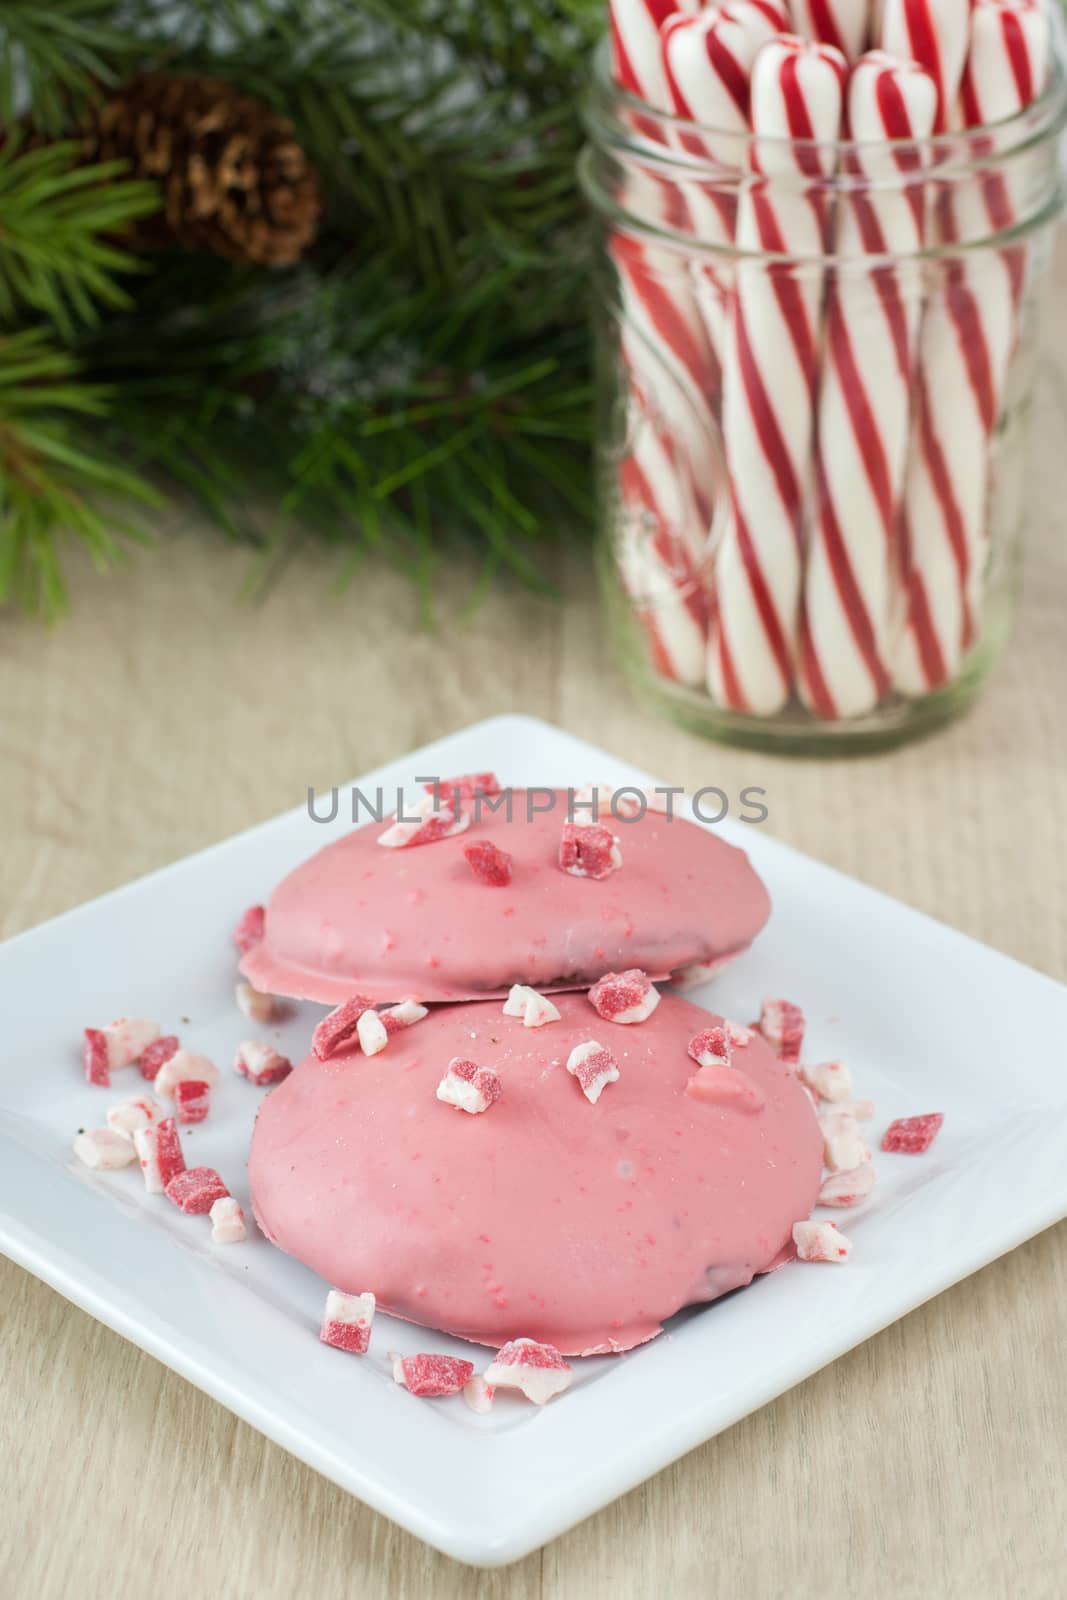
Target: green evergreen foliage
[(418, 383)]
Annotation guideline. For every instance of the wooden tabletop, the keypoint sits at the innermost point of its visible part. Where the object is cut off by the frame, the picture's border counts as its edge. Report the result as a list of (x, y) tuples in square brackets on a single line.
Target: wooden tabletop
[(169, 712)]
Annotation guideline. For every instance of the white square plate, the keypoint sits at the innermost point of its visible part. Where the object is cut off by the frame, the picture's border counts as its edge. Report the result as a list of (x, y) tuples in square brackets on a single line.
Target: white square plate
[(929, 1020)]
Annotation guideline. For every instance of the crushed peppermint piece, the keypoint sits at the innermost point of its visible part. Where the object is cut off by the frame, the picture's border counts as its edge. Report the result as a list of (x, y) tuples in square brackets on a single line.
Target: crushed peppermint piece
[(250, 930), (713, 1046), (432, 1376), (488, 862), (847, 1188), (260, 1063), (118, 1045), (842, 1144), (469, 1087), (127, 1037), (535, 1009), (346, 1321), (338, 1031), (156, 1054), (912, 1135), (821, 1241), (782, 1025), (159, 1150), (255, 1005), (830, 1080), (404, 1015), (478, 1394), (624, 997), (195, 1190), (192, 1100), (538, 1370), (227, 1221), (140, 1111), (372, 1033), (104, 1149), (466, 786), (429, 824), (184, 1065), (589, 851), (594, 1067), (94, 1058), (725, 1086), (624, 804)]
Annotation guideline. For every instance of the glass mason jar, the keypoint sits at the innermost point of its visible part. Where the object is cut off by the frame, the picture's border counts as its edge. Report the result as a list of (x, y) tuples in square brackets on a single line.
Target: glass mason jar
[(811, 461)]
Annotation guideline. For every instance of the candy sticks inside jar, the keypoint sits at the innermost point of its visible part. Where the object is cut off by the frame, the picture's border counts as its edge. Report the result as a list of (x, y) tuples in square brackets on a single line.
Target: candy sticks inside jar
[(815, 328)]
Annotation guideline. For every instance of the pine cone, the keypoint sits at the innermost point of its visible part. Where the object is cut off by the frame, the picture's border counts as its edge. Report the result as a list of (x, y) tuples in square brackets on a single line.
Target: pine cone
[(235, 182)]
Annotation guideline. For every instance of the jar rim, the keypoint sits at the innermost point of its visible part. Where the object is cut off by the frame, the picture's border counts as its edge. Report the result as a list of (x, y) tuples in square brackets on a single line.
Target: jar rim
[(1042, 118)]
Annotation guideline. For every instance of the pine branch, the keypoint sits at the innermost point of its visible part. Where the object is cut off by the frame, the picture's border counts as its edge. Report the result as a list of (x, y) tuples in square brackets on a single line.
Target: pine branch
[(49, 478), (55, 56), (421, 384), (55, 254), (381, 416)]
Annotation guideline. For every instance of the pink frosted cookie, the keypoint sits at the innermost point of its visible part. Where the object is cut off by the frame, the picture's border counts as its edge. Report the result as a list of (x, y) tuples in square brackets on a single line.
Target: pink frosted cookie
[(391, 923), (575, 1224)]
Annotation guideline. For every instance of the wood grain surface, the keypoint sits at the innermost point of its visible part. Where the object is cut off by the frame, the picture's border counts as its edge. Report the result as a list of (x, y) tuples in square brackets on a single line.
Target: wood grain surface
[(169, 712)]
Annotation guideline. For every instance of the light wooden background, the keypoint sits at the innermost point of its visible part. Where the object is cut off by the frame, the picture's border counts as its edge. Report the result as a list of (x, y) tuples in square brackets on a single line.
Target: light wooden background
[(168, 713)]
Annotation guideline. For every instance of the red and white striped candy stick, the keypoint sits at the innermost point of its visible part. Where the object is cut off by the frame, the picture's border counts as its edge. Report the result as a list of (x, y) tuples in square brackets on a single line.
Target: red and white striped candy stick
[(660, 563), (636, 61), (666, 344), (864, 415), (769, 374), (669, 350), (846, 24), (934, 33), (969, 333), (707, 62)]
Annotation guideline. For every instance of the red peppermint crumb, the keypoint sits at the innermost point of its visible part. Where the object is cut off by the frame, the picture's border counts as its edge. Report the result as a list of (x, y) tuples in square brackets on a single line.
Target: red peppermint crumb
[(488, 862), (467, 786), (782, 1025), (159, 1150), (588, 851), (196, 1190), (170, 1158), (438, 825), (432, 1376), (528, 1353), (157, 1054), (594, 1067), (821, 1241), (250, 930), (339, 1028), (346, 1321), (192, 1099), (537, 1370), (847, 1188), (95, 1058), (469, 1087), (626, 997), (912, 1135), (712, 1047), (260, 1063)]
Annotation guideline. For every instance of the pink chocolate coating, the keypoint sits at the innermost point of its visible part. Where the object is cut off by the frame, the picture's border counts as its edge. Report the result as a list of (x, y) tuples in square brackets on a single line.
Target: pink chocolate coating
[(419, 922), (579, 1225)]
